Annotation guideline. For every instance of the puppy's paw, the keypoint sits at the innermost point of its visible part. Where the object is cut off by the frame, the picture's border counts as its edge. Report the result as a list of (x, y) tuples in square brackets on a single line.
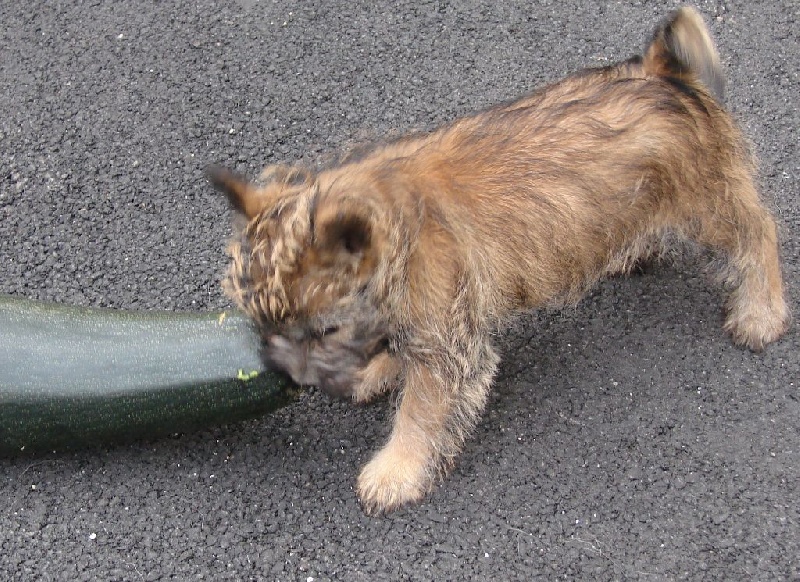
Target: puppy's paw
[(754, 324), (378, 376), (393, 478)]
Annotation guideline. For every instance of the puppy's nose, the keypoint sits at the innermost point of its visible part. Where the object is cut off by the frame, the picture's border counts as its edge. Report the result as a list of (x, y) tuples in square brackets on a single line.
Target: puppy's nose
[(295, 334), (290, 358)]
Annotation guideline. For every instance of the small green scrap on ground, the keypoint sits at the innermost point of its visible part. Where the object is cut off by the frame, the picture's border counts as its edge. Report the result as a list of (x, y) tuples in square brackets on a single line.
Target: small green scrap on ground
[(242, 375)]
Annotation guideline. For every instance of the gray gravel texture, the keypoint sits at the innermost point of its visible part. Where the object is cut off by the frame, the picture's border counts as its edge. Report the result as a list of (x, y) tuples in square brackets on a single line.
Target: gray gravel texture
[(626, 439)]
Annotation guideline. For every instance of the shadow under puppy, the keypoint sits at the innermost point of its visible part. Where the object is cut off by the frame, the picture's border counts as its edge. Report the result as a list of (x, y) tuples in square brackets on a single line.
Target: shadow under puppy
[(392, 270)]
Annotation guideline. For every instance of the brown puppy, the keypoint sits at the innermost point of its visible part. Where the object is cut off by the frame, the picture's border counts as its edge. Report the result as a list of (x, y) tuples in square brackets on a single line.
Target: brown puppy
[(394, 268)]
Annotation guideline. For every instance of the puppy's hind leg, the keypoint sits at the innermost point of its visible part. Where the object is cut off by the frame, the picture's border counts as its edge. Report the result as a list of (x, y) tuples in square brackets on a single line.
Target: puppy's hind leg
[(739, 225)]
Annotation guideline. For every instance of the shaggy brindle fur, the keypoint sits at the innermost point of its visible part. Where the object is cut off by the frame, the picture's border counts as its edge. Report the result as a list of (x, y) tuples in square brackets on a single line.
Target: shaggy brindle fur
[(393, 268)]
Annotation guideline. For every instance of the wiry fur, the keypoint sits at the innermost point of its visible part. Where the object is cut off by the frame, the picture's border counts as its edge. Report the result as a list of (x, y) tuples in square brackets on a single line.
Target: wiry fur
[(394, 267)]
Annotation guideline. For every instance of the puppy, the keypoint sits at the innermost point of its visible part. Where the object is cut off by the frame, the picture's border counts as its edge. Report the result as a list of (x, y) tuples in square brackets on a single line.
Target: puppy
[(393, 268)]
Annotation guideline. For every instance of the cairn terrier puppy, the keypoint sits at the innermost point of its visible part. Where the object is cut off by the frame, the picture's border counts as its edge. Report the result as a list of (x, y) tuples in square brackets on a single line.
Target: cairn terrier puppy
[(391, 269)]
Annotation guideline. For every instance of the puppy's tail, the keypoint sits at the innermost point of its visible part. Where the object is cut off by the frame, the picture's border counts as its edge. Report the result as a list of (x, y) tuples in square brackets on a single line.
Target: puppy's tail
[(681, 48)]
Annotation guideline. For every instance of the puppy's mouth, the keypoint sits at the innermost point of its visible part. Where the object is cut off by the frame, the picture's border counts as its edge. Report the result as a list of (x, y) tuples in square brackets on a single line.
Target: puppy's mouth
[(325, 359)]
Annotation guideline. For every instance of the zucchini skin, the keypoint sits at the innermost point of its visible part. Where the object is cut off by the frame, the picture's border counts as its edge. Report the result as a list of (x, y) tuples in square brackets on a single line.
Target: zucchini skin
[(75, 377)]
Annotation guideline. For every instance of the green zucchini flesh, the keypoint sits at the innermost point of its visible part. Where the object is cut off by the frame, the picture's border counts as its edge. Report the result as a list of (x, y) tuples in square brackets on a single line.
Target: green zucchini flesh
[(72, 377)]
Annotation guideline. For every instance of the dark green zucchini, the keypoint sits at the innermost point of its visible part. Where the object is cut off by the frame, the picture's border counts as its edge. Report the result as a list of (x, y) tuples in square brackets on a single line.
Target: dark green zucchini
[(73, 377)]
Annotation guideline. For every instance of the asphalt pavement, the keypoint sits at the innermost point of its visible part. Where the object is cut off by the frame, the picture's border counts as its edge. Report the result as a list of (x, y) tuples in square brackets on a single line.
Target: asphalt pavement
[(626, 438)]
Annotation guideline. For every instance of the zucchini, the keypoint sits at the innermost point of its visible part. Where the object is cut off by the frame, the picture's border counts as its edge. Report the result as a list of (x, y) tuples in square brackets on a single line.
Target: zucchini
[(74, 377)]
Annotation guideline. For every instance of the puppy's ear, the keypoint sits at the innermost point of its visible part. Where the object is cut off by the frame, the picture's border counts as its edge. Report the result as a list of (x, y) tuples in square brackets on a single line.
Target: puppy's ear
[(346, 238), (243, 196), (350, 234), (250, 198)]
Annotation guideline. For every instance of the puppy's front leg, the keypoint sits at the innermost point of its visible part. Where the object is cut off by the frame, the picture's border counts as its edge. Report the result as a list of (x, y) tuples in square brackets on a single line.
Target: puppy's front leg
[(440, 403), (379, 375)]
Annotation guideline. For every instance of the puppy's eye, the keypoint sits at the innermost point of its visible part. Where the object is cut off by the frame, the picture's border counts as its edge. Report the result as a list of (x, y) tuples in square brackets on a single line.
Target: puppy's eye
[(329, 330), (321, 333)]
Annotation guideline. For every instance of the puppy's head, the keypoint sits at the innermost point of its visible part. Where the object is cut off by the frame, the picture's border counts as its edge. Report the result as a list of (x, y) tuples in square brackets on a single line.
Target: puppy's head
[(331, 361), (303, 266)]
